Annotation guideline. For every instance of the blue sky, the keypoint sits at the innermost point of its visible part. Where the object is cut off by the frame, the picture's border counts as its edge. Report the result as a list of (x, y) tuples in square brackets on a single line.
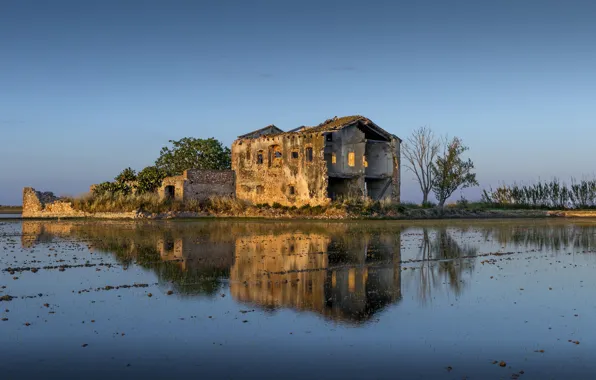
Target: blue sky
[(88, 88)]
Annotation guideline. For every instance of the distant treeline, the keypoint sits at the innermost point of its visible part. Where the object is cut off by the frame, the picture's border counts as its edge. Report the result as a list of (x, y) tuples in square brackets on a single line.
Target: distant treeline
[(553, 194), (10, 208)]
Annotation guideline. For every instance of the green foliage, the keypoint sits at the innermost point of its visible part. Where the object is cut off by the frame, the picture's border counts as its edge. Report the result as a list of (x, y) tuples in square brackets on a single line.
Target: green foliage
[(112, 188), (150, 179), (192, 153), (127, 175), (451, 171)]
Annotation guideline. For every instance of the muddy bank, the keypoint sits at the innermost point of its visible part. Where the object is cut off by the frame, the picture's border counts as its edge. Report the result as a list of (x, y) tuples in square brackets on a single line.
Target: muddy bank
[(328, 214)]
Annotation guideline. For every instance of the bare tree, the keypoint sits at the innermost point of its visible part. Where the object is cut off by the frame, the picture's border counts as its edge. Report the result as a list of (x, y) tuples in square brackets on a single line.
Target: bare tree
[(420, 151)]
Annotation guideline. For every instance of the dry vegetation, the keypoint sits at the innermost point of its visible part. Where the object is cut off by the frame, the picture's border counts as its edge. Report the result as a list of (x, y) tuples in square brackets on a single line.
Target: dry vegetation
[(354, 207)]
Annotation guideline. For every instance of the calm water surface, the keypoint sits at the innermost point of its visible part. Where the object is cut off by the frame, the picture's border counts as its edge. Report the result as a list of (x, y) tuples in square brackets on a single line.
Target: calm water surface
[(333, 300)]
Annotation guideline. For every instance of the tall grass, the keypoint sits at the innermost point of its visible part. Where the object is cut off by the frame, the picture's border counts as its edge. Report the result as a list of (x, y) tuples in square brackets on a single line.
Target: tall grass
[(119, 202), (547, 195), (152, 203)]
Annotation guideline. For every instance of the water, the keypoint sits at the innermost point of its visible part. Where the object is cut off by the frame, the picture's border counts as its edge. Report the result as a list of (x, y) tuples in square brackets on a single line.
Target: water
[(9, 216), (276, 299)]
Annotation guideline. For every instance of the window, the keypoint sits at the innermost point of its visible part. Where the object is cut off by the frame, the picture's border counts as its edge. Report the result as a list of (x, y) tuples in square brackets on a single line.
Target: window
[(275, 155), (295, 154), (329, 137), (260, 157), (364, 162), (292, 190), (333, 158), (260, 189), (351, 159), (309, 156)]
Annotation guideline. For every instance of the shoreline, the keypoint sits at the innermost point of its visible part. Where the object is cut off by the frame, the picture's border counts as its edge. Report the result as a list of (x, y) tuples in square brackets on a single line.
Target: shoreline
[(272, 214)]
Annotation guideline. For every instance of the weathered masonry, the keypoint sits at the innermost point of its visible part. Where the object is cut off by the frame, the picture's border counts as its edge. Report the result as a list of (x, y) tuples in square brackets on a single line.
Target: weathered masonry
[(342, 157), (200, 185)]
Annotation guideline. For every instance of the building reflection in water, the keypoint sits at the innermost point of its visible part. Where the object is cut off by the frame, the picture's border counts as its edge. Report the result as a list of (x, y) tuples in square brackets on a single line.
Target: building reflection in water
[(338, 274), (338, 270), (345, 271)]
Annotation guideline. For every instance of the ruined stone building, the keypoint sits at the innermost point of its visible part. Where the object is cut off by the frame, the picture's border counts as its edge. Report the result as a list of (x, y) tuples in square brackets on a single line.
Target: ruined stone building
[(342, 157), (198, 184)]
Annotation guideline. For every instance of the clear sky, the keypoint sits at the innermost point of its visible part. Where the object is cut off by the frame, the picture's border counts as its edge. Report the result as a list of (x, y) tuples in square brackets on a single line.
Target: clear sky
[(88, 88)]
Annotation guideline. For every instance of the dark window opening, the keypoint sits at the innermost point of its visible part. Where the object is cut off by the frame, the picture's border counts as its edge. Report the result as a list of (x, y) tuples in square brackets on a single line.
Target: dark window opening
[(329, 137), (170, 192), (260, 157), (292, 190), (169, 245), (309, 156), (275, 155), (294, 154)]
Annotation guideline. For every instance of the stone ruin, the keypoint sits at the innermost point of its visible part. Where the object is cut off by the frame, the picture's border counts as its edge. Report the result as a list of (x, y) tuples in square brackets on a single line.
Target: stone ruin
[(38, 204)]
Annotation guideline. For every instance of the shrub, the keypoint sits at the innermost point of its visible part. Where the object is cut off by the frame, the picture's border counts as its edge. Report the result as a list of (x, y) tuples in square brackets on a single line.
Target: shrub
[(127, 175), (150, 179)]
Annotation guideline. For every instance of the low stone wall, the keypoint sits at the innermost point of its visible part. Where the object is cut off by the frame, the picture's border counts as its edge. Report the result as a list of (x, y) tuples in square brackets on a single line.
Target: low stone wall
[(204, 184), (37, 204), (196, 184)]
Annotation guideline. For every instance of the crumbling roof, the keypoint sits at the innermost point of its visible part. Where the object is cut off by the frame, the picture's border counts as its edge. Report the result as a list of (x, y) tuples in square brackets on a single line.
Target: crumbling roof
[(337, 123), (329, 125), (268, 130)]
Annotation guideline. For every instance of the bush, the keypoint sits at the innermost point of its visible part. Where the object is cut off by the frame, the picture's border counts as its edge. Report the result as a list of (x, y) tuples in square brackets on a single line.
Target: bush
[(150, 179), (112, 188), (127, 175)]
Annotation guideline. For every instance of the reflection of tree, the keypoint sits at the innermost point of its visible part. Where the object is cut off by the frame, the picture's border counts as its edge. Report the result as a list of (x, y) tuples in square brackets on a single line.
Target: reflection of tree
[(143, 250), (444, 260)]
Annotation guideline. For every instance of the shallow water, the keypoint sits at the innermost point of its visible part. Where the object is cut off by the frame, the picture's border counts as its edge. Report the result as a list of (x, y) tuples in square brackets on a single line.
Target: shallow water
[(272, 299)]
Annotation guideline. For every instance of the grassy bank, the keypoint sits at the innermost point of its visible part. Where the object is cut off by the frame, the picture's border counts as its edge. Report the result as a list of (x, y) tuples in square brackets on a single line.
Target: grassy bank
[(150, 206), (10, 209)]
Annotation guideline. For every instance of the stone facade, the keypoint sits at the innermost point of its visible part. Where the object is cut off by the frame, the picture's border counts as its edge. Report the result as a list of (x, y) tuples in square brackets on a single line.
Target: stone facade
[(342, 157), (200, 185)]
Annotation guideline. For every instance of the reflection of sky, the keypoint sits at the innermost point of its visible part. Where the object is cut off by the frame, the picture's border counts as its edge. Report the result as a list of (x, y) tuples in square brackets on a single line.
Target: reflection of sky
[(491, 319)]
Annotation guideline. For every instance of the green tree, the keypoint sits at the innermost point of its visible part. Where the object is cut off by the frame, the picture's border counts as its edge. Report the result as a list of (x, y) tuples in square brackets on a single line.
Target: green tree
[(191, 153), (127, 175), (112, 188), (451, 171), (149, 179)]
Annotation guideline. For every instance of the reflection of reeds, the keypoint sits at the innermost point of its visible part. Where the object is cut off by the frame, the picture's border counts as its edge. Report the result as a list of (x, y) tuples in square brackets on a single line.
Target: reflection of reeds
[(545, 236)]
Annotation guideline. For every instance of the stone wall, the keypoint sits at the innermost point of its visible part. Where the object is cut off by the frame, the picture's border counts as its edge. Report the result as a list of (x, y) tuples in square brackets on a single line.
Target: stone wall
[(200, 185), (278, 169), (177, 182), (37, 204)]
